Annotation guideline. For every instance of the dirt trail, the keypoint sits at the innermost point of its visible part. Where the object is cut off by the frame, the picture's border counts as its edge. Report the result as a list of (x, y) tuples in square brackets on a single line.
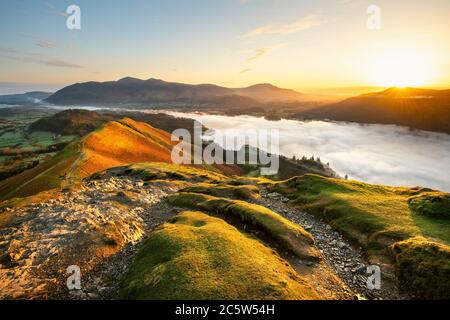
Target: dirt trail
[(348, 262)]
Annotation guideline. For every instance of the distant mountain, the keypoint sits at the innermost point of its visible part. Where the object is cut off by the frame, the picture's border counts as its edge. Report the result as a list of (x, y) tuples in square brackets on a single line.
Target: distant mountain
[(136, 91), (269, 93), (28, 98), (410, 93), (422, 109)]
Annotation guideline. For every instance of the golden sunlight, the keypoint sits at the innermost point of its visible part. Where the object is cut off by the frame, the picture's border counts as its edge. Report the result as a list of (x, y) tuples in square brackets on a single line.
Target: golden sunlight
[(405, 68)]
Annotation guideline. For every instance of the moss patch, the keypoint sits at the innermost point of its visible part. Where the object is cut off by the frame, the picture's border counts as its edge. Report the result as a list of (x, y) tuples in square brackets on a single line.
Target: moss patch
[(200, 257), (431, 204), (423, 268)]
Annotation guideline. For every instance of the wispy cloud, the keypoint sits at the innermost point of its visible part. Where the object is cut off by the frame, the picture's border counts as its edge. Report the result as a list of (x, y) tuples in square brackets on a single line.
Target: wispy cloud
[(40, 42), (259, 53), (45, 44), (302, 24), (51, 8), (31, 57)]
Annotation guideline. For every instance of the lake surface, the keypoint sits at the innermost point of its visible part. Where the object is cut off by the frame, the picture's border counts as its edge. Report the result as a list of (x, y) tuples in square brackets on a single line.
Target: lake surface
[(381, 154)]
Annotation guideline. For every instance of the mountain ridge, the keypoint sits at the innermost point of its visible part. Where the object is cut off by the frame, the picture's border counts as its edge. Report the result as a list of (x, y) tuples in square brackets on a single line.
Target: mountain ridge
[(133, 90), (423, 109), (133, 142)]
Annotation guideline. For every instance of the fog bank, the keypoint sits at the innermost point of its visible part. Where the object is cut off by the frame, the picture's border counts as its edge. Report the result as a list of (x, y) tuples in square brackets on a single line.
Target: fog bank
[(381, 154)]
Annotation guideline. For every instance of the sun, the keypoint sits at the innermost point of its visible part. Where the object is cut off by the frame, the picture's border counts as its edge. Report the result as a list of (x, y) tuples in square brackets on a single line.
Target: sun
[(405, 68)]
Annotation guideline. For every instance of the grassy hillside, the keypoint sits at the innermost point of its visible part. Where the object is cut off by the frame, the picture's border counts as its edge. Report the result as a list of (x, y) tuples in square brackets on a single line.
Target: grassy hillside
[(81, 122), (47, 175), (116, 143), (72, 122), (379, 218), (123, 142), (371, 214), (196, 256)]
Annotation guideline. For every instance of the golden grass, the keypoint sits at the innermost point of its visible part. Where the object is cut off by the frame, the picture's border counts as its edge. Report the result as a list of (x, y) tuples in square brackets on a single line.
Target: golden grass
[(115, 144), (380, 218), (199, 257), (290, 235), (243, 192), (120, 143)]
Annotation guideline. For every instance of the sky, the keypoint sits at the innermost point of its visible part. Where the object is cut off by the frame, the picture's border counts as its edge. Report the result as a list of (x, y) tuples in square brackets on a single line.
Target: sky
[(310, 46)]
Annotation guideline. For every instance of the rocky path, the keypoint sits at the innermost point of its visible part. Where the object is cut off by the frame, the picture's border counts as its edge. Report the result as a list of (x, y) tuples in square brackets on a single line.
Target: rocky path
[(96, 227), (348, 262)]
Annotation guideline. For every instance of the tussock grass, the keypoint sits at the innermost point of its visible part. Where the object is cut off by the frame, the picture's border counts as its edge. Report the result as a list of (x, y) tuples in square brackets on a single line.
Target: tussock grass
[(198, 257), (423, 268), (222, 190), (290, 235), (431, 204), (240, 181)]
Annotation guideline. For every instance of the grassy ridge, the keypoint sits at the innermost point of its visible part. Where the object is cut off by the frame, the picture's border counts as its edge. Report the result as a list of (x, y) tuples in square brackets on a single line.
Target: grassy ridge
[(224, 190), (369, 214), (200, 257), (123, 142), (291, 236), (151, 171), (380, 218)]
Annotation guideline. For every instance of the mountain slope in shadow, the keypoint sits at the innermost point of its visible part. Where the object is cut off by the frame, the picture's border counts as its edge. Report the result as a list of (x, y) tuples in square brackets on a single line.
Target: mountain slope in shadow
[(422, 109)]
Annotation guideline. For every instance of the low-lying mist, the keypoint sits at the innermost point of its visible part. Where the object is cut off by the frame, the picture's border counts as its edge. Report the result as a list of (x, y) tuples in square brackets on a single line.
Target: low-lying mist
[(382, 154)]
